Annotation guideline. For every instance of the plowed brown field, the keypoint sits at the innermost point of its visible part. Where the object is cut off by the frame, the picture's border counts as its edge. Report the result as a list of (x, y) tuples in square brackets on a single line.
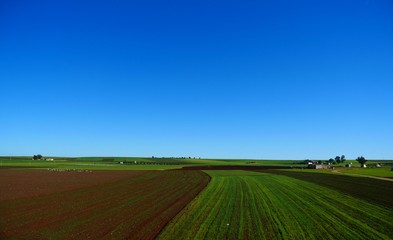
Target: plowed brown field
[(38, 204), (30, 183)]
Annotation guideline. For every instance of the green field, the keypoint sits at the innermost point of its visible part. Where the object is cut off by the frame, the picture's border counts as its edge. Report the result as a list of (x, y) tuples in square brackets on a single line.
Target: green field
[(132, 163), (92, 163), (144, 163), (373, 190), (378, 172), (256, 205)]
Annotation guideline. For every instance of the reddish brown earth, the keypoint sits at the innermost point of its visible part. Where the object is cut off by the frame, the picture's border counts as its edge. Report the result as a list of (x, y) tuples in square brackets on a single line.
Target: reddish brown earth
[(128, 205), (16, 183)]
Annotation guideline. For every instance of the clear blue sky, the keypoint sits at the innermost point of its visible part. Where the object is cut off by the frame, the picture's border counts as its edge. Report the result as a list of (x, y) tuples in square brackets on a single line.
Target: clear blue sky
[(220, 79)]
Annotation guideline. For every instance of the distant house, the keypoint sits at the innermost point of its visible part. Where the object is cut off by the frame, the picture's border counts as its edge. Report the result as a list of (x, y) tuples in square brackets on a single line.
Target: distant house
[(317, 166), (310, 162)]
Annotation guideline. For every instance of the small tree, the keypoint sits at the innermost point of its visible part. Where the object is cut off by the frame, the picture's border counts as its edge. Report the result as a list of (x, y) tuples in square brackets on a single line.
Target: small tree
[(37, 157), (331, 161), (343, 158), (337, 159), (362, 161)]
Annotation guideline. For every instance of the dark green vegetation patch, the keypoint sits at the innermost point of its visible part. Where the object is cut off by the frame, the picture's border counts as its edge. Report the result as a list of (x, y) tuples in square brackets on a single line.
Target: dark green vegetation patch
[(374, 190)]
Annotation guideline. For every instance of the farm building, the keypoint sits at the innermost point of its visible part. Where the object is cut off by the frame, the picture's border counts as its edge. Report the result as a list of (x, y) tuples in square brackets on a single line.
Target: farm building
[(310, 162), (317, 166)]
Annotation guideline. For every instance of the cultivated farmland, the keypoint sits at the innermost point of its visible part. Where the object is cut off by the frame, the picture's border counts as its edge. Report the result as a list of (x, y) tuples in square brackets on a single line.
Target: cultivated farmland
[(252, 205), (245, 199), (32, 183), (132, 205), (373, 190)]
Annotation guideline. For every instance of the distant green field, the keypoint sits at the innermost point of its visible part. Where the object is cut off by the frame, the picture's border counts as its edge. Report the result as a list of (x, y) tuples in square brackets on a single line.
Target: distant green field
[(143, 163), (83, 165), (254, 205), (132, 163), (384, 171)]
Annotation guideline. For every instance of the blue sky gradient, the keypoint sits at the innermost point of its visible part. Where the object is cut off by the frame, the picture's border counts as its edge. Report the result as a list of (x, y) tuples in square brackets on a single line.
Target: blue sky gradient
[(219, 79)]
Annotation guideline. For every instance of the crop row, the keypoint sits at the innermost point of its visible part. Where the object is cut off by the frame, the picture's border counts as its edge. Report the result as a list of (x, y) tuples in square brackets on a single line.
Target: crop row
[(373, 190), (133, 208), (250, 205)]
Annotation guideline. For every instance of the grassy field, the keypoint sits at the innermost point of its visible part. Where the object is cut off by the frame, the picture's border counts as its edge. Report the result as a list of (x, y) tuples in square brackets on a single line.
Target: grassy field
[(384, 171), (139, 163), (254, 205), (91, 163), (112, 163), (370, 189)]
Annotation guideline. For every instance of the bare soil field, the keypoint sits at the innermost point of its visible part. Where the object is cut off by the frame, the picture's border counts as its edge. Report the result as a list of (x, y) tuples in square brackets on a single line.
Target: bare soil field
[(94, 205), (19, 183)]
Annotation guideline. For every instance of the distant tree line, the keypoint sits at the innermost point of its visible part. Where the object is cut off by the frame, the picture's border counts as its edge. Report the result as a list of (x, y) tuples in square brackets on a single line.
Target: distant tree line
[(337, 160), (37, 157), (177, 157)]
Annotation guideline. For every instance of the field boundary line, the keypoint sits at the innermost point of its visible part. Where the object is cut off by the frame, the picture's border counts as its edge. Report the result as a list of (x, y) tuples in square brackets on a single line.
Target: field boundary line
[(196, 196), (362, 175)]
